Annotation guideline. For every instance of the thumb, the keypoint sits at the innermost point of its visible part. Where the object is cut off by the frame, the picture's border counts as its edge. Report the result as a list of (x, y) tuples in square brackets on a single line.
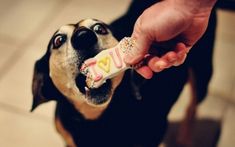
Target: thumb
[(141, 45)]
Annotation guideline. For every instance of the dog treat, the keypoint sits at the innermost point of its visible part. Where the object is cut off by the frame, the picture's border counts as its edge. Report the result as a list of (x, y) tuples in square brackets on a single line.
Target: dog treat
[(107, 64)]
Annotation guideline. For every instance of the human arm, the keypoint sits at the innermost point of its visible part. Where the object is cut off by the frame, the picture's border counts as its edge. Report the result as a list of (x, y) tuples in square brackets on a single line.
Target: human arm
[(176, 24)]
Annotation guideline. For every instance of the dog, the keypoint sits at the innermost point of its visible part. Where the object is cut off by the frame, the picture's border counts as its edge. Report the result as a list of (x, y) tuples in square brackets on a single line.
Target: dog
[(126, 111)]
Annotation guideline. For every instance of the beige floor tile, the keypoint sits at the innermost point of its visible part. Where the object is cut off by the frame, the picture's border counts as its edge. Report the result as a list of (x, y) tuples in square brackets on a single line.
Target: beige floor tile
[(78, 10), (102, 9), (207, 126), (227, 138), (224, 68), (233, 92), (24, 17), (16, 85), (212, 107), (226, 19), (178, 110), (6, 52), (27, 131), (5, 5)]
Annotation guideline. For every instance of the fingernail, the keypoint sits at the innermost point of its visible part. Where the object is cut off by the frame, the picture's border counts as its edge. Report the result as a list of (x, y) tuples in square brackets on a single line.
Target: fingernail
[(160, 64), (181, 53), (173, 59)]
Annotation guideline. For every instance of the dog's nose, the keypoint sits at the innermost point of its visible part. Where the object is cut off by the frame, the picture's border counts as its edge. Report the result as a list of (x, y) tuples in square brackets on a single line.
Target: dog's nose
[(83, 38)]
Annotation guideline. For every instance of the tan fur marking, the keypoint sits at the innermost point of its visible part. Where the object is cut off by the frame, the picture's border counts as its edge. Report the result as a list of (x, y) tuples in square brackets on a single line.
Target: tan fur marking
[(61, 62), (64, 133), (185, 134)]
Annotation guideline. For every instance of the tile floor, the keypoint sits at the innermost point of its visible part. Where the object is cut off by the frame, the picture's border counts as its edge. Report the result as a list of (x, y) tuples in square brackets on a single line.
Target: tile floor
[(25, 28)]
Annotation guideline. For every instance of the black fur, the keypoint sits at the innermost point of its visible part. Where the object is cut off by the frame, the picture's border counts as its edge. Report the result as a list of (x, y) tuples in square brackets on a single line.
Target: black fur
[(43, 88), (134, 119), (127, 120)]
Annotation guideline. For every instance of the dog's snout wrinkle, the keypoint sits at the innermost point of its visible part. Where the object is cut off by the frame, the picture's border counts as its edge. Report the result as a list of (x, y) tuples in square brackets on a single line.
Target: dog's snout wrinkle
[(83, 38)]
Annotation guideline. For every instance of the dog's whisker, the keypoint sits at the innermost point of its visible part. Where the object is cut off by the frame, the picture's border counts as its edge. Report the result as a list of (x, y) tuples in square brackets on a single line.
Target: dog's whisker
[(69, 61)]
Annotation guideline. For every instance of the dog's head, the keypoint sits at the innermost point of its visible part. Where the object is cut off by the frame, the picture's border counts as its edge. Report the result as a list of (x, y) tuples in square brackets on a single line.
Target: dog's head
[(58, 70)]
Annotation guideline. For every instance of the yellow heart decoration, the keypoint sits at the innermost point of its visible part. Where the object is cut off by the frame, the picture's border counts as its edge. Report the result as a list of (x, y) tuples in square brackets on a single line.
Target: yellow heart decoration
[(104, 64)]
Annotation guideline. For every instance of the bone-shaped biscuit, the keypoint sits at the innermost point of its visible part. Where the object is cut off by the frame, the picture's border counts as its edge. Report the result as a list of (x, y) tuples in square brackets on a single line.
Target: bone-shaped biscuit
[(107, 64)]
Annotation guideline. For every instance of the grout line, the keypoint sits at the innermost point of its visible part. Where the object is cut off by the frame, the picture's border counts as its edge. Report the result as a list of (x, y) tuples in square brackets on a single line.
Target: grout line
[(14, 58), (233, 86), (16, 110), (224, 97), (8, 40), (225, 110), (11, 5), (4, 37)]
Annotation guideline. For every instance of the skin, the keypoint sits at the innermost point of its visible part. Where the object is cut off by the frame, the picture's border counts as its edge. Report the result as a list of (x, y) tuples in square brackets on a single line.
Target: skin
[(174, 24)]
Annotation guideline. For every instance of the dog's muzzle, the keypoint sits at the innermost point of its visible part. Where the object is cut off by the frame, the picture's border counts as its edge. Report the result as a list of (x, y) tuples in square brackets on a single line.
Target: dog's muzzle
[(84, 41)]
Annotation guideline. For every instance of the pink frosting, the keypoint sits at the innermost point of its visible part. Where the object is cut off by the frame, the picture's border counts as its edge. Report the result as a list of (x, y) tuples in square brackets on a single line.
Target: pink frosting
[(118, 62), (91, 63)]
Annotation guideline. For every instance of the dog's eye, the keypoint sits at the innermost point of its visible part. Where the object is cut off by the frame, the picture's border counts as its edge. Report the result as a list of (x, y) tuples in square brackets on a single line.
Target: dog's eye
[(59, 39), (100, 29)]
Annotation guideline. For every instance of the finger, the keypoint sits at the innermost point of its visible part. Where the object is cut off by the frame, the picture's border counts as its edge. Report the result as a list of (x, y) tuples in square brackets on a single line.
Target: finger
[(181, 60), (181, 47), (171, 58), (166, 61), (145, 71), (157, 64), (176, 57), (181, 51), (141, 45)]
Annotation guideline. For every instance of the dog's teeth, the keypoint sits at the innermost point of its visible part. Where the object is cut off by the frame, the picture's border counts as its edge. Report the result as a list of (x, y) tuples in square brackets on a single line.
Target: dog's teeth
[(87, 89), (87, 95)]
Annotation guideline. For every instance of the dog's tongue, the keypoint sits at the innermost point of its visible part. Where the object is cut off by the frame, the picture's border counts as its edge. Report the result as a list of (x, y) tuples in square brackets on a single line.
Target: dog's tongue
[(107, 64)]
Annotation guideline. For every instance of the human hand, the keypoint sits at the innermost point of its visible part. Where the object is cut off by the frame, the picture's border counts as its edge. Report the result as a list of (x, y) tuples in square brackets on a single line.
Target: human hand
[(175, 25)]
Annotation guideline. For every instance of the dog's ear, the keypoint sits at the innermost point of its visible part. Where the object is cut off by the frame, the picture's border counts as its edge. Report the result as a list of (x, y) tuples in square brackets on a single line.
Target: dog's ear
[(43, 88)]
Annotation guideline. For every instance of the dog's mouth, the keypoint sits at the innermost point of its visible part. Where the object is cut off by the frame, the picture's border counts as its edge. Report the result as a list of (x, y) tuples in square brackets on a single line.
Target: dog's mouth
[(96, 96), (85, 42)]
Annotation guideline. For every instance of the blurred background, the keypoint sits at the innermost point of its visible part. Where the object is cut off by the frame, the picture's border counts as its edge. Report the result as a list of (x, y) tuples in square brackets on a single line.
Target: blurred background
[(25, 29)]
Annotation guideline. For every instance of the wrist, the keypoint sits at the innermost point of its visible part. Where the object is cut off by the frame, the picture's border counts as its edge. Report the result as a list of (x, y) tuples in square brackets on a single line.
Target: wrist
[(194, 7)]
